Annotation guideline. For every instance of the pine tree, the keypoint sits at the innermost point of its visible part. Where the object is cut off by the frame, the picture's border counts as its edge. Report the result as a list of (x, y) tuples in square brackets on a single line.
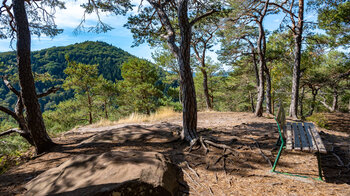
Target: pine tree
[(139, 92)]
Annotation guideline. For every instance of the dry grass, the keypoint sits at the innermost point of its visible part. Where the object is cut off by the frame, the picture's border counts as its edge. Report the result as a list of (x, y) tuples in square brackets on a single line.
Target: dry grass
[(161, 114)]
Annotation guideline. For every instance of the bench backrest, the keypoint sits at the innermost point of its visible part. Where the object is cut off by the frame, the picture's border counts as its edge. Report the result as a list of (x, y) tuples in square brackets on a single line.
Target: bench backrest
[(281, 117)]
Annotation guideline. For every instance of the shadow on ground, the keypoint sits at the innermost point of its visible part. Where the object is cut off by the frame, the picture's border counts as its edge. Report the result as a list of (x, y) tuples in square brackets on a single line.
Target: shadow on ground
[(248, 143)]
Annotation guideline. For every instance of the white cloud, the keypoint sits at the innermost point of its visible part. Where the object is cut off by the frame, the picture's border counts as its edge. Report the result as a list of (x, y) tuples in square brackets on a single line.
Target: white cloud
[(73, 15), (69, 17)]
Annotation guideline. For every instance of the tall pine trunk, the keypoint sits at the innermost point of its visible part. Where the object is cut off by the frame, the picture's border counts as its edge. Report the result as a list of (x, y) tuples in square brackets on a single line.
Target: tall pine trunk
[(106, 109), (251, 101), (335, 101), (205, 87), (313, 103), (34, 118), (268, 91), (90, 108), (189, 103), (255, 67), (302, 101), (293, 110), (262, 64)]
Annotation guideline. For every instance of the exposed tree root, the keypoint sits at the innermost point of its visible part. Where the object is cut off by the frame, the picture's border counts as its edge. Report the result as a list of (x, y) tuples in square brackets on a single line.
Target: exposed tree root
[(206, 143), (341, 163), (261, 152), (193, 180), (193, 171)]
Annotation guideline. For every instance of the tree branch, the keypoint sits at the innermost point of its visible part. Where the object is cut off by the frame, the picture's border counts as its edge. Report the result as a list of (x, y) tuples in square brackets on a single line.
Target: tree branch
[(194, 21), (9, 85), (14, 130), (170, 37), (9, 112), (51, 90), (324, 103)]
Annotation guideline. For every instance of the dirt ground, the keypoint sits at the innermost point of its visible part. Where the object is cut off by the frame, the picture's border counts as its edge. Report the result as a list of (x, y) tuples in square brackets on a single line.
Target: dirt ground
[(243, 171)]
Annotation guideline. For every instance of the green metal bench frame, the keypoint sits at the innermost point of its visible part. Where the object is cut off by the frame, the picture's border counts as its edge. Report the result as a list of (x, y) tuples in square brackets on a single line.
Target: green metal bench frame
[(280, 152)]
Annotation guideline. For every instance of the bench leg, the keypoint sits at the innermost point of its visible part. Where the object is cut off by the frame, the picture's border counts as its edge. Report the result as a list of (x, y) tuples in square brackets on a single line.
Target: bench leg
[(319, 166)]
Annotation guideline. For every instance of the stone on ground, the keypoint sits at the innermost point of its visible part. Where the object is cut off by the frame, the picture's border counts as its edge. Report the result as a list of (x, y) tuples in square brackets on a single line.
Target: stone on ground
[(111, 173)]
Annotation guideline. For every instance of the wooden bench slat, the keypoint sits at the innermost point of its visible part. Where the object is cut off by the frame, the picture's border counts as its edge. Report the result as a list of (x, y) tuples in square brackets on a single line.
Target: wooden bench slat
[(305, 146), (297, 145), (317, 138), (289, 145), (312, 142)]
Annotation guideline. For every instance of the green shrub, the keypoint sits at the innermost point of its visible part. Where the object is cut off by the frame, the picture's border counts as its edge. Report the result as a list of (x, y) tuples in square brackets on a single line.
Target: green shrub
[(319, 119)]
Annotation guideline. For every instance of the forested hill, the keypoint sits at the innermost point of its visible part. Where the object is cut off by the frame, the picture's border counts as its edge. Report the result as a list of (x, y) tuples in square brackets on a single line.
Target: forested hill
[(53, 61)]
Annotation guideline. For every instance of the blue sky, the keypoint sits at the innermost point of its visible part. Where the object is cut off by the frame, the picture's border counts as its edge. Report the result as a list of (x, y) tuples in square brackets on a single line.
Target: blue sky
[(121, 37)]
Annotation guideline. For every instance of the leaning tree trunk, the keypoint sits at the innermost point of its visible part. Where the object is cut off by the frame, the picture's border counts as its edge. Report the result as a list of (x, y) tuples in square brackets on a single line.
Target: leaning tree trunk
[(293, 110), (189, 103), (34, 118), (180, 92)]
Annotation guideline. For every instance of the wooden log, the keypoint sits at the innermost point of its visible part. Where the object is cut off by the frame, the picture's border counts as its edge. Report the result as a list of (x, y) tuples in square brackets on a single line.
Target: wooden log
[(312, 142), (297, 145), (317, 137), (305, 146)]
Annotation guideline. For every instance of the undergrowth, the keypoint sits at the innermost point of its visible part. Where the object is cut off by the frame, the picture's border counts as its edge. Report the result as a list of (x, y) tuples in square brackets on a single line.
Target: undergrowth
[(319, 119), (12, 147)]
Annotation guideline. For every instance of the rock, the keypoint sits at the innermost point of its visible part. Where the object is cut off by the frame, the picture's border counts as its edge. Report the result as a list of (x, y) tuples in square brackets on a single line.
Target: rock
[(111, 173)]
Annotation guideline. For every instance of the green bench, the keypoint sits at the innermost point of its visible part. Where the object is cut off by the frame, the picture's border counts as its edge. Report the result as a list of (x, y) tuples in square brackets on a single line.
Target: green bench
[(298, 137)]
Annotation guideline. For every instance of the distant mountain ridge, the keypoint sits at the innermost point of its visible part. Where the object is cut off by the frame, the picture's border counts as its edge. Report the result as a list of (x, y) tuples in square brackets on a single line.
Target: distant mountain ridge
[(53, 61)]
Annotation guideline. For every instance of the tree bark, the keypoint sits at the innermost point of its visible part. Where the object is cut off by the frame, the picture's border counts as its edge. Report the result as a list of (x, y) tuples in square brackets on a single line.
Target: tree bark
[(268, 91), (106, 109), (262, 64), (255, 66), (335, 101), (24, 132), (189, 103), (251, 101), (206, 89), (205, 74), (324, 103), (180, 92), (313, 103), (298, 31), (34, 118), (182, 54), (302, 101), (90, 108)]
